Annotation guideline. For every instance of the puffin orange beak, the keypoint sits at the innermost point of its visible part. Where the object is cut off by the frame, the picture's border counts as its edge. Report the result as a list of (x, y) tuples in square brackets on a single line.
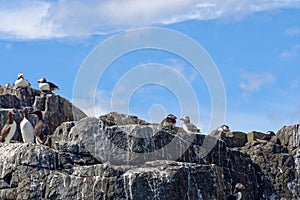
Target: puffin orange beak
[(181, 119)]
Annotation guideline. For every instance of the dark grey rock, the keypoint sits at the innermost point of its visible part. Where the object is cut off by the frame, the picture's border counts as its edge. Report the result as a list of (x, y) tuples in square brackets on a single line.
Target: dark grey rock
[(232, 139), (9, 101), (118, 156)]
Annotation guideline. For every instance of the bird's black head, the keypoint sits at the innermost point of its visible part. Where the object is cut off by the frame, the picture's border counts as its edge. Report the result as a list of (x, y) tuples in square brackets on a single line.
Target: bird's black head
[(42, 80), (38, 113), (171, 116)]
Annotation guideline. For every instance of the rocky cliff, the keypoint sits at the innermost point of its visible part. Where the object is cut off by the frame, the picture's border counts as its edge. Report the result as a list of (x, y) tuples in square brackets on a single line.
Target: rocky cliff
[(117, 156)]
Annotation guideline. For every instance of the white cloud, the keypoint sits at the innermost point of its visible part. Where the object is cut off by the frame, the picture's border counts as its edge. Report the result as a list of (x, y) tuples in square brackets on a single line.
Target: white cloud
[(293, 52), (254, 82), (292, 31), (29, 19)]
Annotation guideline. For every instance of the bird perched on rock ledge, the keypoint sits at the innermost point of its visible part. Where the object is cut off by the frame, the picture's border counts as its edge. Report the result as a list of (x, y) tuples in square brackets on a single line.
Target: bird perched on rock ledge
[(188, 126), (8, 129), (21, 82), (41, 129), (270, 136), (46, 86), (169, 121), (26, 128), (224, 128)]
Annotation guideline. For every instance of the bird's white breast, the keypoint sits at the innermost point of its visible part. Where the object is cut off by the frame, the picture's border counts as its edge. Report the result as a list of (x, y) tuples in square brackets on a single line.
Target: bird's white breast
[(44, 86), (239, 196), (27, 131), (185, 128), (20, 83), (11, 132)]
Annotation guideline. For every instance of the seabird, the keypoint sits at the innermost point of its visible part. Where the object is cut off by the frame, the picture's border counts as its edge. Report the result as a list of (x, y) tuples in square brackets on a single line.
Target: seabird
[(7, 88), (26, 128), (224, 128), (44, 85), (237, 192), (169, 121), (188, 126), (41, 128), (21, 82), (270, 136), (8, 129)]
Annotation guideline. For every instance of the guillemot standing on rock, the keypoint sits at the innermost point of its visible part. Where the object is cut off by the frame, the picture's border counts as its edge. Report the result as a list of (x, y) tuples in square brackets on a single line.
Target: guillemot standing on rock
[(169, 121), (8, 129), (46, 86), (188, 126), (237, 192), (41, 129), (21, 82), (26, 128)]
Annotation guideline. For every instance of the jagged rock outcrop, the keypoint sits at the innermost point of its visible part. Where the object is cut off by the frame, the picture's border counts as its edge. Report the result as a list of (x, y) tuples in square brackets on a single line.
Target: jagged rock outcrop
[(88, 162), (115, 118), (118, 156)]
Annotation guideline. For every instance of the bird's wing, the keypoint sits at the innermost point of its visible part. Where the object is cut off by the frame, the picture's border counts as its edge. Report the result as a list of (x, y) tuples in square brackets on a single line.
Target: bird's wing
[(28, 83), (162, 122), (53, 86), (45, 133), (192, 127), (37, 129), (4, 132)]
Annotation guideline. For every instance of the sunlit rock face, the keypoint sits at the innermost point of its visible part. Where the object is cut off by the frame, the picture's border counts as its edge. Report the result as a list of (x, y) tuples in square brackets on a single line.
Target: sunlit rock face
[(119, 156)]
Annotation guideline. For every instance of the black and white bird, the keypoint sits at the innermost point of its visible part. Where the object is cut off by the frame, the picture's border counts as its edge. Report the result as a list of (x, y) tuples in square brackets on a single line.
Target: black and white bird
[(270, 136), (237, 192), (8, 129), (188, 126), (21, 82), (26, 128), (46, 86), (224, 128), (41, 128), (169, 122)]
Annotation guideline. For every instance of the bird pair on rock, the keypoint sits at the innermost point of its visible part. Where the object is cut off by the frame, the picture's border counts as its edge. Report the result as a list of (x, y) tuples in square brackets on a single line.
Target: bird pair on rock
[(40, 131), (44, 85), (170, 122)]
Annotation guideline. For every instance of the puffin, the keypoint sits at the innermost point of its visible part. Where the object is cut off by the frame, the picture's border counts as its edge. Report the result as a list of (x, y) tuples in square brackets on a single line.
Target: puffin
[(21, 82), (26, 128), (46, 86), (41, 129), (270, 136), (8, 129), (224, 128), (169, 121), (188, 126), (237, 192)]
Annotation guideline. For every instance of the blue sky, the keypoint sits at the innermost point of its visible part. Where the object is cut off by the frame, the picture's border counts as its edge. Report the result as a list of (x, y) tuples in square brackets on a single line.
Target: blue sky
[(254, 44)]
